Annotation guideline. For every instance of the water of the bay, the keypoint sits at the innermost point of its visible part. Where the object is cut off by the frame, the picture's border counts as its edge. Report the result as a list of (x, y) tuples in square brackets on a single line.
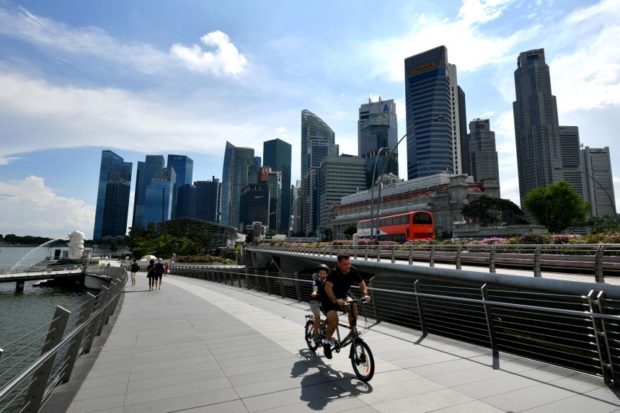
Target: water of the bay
[(26, 312)]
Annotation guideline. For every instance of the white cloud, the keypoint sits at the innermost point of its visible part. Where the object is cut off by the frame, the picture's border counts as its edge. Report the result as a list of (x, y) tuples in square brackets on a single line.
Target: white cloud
[(41, 115), (224, 61), (30, 207), (482, 11)]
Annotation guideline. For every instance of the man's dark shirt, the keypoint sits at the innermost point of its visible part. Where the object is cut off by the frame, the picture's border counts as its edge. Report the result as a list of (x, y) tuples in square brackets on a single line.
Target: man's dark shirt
[(342, 282), (320, 292)]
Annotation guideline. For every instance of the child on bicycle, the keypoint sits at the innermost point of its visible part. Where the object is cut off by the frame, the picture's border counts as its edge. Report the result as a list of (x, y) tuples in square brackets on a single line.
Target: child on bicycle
[(317, 295)]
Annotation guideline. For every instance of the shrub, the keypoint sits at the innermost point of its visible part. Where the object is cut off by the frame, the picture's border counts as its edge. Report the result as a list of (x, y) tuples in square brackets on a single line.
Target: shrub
[(533, 239)]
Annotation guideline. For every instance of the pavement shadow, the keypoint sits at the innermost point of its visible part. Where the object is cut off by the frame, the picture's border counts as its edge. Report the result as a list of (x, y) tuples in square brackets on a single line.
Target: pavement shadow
[(326, 385)]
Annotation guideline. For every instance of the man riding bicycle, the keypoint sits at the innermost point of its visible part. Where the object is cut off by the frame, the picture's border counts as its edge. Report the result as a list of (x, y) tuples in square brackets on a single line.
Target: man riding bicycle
[(336, 295)]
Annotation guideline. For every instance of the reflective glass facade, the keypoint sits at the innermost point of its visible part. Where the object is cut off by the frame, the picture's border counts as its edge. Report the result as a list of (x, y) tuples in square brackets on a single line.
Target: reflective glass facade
[(112, 196)]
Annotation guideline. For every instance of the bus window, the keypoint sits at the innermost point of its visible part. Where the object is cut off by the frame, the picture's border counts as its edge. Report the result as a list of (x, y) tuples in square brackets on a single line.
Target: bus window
[(422, 218)]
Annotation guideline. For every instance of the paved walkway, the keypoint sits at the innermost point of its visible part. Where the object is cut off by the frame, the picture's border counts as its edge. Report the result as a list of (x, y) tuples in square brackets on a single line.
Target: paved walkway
[(195, 346)]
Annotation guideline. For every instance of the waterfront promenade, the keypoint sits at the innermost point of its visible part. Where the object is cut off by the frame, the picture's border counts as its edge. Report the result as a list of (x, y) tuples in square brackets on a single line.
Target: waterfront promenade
[(197, 346)]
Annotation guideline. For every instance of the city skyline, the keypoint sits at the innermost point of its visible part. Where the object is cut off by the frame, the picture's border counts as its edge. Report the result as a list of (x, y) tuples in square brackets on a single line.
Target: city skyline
[(75, 81)]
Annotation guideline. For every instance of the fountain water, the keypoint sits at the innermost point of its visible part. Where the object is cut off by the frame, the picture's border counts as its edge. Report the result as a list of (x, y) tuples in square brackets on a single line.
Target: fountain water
[(31, 252)]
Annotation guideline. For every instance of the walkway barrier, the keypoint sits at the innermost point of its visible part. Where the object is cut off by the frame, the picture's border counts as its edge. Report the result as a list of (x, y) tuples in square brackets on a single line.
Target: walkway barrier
[(32, 366), (573, 331), (596, 259)]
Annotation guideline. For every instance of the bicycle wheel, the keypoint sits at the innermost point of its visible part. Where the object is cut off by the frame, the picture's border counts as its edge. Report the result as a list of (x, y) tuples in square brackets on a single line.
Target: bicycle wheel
[(309, 336), (362, 360)]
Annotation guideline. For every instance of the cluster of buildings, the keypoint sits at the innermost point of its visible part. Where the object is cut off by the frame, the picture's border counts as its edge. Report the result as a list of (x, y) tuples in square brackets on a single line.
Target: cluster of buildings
[(449, 162)]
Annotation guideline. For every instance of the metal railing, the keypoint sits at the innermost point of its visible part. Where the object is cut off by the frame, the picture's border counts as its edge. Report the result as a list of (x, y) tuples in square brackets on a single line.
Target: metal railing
[(596, 259), (581, 332), (32, 366)]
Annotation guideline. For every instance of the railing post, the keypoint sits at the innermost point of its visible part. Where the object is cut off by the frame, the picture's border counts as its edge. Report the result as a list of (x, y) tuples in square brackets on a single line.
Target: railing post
[(41, 377), (297, 286), (366, 253), (410, 254), (267, 281), (537, 252), (600, 335), (256, 283), (105, 295), (281, 285), (247, 279), (378, 253), (598, 264), (492, 259), (489, 317), (432, 256), (374, 302), (74, 349), (239, 279), (393, 254), (418, 299), (355, 249), (459, 252)]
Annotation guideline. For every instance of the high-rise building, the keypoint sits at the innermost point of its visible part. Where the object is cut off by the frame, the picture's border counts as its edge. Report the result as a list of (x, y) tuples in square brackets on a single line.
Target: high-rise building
[(433, 105), (183, 168), (482, 153), (239, 170), (338, 176), (277, 155), (159, 196), (317, 142), (296, 226), (152, 166), (377, 128), (598, 181), (186, 201), (207, 200), (572, 171), (463, 133), (274, 181), (112, 196), (539, 160), (254, 204)]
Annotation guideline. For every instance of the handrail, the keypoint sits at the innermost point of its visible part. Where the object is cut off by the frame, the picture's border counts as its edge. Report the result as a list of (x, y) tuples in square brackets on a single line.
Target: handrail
[(40, 368)]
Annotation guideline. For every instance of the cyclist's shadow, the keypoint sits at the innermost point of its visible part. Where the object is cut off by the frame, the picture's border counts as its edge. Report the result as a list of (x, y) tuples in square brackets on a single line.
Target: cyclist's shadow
[(327, 384)]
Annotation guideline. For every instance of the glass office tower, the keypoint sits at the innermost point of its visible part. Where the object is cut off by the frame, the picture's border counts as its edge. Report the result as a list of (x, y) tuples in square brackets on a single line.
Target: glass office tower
[(112, 196)]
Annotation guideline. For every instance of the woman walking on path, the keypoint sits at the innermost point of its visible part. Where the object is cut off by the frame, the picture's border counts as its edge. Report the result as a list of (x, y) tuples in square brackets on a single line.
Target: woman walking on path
[(150, 273), (159, 272), (134, 270)]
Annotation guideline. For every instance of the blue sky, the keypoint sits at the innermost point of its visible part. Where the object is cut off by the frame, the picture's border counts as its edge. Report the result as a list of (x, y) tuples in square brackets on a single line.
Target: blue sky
[(144, 77)]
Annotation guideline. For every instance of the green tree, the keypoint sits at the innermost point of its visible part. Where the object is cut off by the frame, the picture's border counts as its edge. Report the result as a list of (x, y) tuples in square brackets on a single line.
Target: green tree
[(556, 206), (487, 211)]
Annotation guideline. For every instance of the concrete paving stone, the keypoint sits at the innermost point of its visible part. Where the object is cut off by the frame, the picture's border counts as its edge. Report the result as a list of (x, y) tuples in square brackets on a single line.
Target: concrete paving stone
[(480, 389), (422, 360), (548, 373), (280, 384), (575, 404), (320, 393), (101, 391), (339, 404), (527, 398), (208, 369), (384, 392), (424, 402), (168, 380), (606, 394), (104, 370), (203, 360), (443, 367), (104, 381), (235, 406), (475, 406), (259, 366), (177, 390), (467, 376), (181, 403), (98, 403), (249, 359), (578, 382)]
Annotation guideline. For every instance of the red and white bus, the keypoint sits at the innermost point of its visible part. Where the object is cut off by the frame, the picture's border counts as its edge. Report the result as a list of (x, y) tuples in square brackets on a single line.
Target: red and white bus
[(409, 226)]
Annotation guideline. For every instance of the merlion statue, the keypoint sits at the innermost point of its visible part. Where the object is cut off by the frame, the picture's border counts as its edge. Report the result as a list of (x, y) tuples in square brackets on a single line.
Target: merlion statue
[(76, 245)]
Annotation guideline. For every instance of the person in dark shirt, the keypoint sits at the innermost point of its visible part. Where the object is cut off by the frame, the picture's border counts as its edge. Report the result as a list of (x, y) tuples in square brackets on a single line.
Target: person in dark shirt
[(159, 272), (150, 273), (316, 297), (134, 270), (337, 288)]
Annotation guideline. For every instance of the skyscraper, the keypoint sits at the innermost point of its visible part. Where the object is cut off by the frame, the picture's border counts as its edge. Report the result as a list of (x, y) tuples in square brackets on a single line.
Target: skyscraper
[(183, 168), (599, 185), (535, 111), (317, 142), (277, 155), (112, 196), (433, 114), (274, 181), (572, 170), (338, 176), (239, 167), (376, 128), (482, 153), (159, 196), (207, 200), (152, 166)]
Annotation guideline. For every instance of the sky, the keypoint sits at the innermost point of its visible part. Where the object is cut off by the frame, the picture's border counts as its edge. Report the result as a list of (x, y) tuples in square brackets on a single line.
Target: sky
[(140, 77)]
